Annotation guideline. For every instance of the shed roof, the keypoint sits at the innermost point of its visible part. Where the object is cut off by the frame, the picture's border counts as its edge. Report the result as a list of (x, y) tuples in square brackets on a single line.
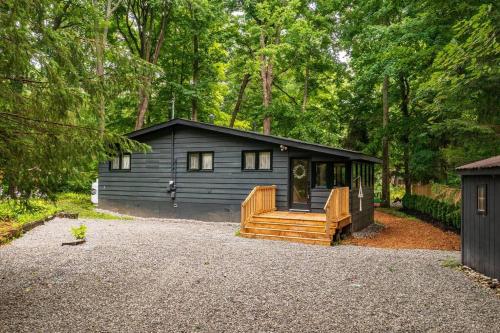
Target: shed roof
[(492, 162), (350, 154)]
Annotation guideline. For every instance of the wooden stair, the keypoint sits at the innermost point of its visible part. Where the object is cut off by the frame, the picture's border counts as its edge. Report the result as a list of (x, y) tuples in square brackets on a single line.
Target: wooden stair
[(308, 228), (260, 219)]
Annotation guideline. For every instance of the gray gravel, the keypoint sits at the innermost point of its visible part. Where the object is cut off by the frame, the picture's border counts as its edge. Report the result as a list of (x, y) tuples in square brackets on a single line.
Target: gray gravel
[(161, 275)]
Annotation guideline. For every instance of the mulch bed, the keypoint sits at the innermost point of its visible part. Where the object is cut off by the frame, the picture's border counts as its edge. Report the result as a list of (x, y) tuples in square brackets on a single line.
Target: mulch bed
[(430, 219), (407, 233)]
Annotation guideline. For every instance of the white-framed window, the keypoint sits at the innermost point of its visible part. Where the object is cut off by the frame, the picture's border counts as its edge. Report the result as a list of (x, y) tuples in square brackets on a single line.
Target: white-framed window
[(200, 161), (482, 199), (257, 160), (120, 162)]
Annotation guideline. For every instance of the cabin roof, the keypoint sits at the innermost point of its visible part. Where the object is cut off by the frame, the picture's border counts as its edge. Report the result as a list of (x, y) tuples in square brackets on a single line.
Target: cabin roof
[(492, 162), (350, 154)]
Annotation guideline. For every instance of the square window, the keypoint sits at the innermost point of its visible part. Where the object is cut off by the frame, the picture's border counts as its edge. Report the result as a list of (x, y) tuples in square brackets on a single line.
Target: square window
[(265, 160), (207, 161), (126, 162), (194, 161), (249, 160), (481, 199)]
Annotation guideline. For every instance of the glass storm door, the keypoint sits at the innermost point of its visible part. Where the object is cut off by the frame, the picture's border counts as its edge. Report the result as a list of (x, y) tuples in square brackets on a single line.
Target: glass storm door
[(299, 184)]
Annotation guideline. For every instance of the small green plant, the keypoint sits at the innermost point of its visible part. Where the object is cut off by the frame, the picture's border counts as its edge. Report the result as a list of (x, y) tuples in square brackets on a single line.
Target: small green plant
[(237, 233), (450, 263), (79, 232)]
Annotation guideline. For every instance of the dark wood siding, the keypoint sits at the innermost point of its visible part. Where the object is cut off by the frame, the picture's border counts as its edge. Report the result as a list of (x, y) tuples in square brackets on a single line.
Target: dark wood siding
[(481, 233), (211, 196), (222, 190)]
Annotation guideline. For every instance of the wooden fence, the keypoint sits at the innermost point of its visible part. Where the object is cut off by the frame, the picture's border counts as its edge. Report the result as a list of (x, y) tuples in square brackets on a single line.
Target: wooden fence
[(438, 192)]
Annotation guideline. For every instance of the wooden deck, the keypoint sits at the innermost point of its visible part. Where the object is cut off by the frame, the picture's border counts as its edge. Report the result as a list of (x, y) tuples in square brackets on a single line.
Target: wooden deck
[(260, 219)]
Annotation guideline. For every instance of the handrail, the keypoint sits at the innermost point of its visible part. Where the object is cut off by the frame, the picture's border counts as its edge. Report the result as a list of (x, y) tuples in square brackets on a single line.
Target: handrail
[(336, 207), (261, 199)]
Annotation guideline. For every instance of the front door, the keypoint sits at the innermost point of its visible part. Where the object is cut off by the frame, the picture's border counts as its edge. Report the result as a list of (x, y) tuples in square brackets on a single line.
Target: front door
[(299, 184)]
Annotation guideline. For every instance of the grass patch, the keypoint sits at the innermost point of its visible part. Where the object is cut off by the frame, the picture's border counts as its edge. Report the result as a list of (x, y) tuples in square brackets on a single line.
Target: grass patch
[(77, 203), (451, 263), (395, 212), (14, 214)]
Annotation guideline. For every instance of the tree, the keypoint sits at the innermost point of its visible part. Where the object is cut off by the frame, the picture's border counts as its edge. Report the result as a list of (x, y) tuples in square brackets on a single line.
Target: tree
[(47, 130), (142, 24)]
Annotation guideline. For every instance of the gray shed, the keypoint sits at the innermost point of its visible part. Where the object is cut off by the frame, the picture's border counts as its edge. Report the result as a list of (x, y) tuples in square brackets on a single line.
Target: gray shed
[(481, 215)]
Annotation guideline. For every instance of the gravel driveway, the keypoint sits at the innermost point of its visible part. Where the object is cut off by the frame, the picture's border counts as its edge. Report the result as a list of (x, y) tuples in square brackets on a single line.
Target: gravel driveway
[(160, 275)]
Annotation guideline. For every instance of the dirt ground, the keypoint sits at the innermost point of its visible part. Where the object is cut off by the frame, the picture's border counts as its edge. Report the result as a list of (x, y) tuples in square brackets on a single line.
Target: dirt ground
[(407, 233)]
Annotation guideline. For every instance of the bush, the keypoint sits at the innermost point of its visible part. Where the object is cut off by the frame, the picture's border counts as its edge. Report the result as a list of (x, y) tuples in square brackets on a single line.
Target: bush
[(447, 213), (79, 232)]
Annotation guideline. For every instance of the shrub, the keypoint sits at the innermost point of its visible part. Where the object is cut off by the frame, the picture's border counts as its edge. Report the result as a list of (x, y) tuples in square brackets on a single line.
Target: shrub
[(447, 213), (79, 232)]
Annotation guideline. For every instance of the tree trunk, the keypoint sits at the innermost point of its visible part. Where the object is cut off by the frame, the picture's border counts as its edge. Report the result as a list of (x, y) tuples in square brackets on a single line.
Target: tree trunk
[(143, 103), (266, 72), (405, 138), (386, 189), (101, 38), (306, 81), (196, 76), (237, 106)]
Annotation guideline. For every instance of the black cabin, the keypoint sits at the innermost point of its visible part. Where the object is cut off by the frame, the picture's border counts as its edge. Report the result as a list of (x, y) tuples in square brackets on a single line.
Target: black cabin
[(203, 171), (481, 216)]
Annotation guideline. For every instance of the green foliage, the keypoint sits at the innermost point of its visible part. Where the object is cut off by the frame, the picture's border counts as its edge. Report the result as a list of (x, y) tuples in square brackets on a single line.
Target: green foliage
[(447, 213), (79, 232), (79, 203), (24, 212), (451, 263), (328, 61)]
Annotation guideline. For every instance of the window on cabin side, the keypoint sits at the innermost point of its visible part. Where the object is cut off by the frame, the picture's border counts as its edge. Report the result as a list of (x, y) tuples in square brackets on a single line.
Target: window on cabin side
[(257, 160), (115, 163), (207, 161), (339, 174), (120, 162), (125, 162), (264, 160), (194, 161), (249, 160), (200, 161), (481, 199), (321, 174)]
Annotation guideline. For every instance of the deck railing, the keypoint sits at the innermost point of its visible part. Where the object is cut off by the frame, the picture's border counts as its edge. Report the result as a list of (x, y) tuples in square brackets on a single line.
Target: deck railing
[(336, 207), (261, 199)]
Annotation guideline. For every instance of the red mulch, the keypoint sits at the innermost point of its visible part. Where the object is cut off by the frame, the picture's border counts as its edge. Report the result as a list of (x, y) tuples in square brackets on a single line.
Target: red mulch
[(408, 233)]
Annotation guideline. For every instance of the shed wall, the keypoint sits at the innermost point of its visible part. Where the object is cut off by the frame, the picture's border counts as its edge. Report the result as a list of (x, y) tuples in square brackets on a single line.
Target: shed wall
[(481, 233)]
